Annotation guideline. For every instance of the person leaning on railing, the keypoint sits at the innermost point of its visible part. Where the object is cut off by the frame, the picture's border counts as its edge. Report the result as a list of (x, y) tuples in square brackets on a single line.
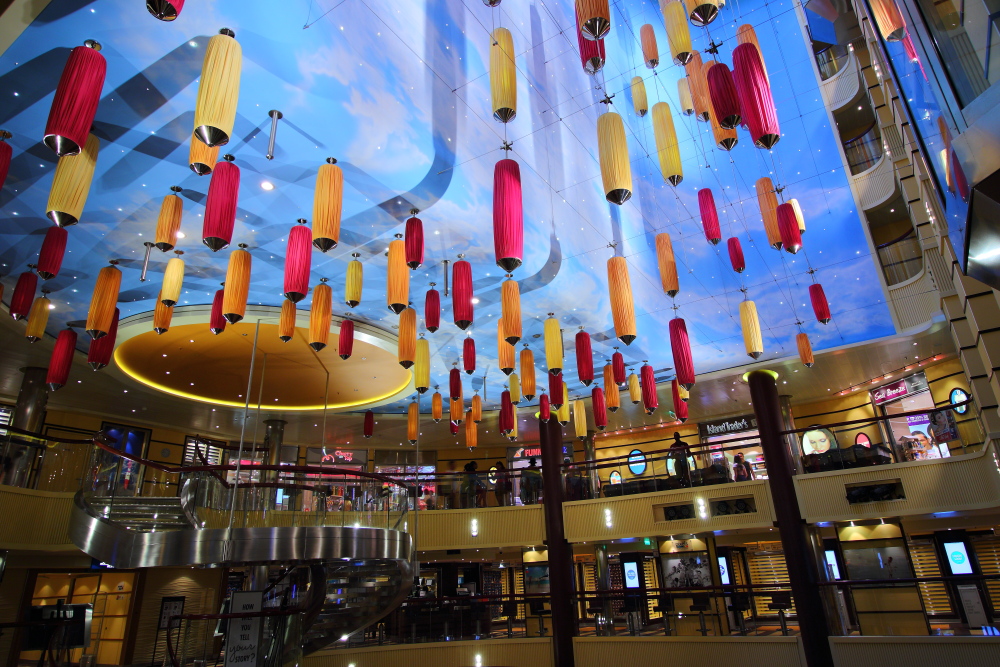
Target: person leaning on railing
[(679, 458), (531, 483)]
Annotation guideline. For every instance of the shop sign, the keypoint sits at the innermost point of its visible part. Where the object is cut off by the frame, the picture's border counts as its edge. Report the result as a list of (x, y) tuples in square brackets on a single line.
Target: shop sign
[(727, 426), (337, 456), (531, 452), (896, 390)]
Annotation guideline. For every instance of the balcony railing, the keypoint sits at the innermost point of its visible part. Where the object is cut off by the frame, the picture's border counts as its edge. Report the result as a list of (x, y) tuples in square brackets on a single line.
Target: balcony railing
[(832, 60), (901, 259), (864, 151)]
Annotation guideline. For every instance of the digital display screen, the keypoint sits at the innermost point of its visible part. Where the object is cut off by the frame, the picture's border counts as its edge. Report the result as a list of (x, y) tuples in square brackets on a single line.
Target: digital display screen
[(631, 574), (958, 558), (831, 564), (723, 571)]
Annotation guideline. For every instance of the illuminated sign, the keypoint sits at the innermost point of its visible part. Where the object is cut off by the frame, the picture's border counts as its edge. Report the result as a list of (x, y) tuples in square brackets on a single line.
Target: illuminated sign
[(636, 462), (959, 396), (727, 426), (958, 558)]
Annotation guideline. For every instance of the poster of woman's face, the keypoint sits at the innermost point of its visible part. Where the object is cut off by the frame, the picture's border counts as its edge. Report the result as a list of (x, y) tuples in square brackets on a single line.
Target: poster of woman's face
[(818, 440)]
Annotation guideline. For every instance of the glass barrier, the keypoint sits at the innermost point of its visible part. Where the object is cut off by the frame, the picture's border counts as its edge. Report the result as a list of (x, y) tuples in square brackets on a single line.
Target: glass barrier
[(901, 259), (832, 60), (32, 461), (864, 151)]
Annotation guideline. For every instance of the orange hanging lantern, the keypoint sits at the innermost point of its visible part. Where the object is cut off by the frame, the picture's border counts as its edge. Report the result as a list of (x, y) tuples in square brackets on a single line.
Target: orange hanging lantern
[(38, 318), (477, 408), (505, 350), (234, 302), (319, 315), (286, 323), (457, 411), (510, 305), (889, 20), (437, 407), (768, 202), (104, 301), (667, 264), (471, 433), (328, 199), (413, 422), (805, 349), (202, 157), (527, 373), (699, 87), (397, 293), (650, 53), (168, 224), (611, 394), (622, 310), (407, 348), (162, 315)]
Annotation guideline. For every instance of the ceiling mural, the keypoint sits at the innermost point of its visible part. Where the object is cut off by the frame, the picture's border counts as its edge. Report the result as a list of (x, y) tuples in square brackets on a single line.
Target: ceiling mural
[(399, 94)]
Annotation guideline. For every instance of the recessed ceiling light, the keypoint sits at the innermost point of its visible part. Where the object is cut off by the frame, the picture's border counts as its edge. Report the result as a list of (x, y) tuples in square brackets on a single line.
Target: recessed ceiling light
[(266, 185)]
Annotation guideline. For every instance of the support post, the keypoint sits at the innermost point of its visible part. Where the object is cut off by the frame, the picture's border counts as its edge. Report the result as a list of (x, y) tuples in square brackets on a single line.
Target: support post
[(560, 553)]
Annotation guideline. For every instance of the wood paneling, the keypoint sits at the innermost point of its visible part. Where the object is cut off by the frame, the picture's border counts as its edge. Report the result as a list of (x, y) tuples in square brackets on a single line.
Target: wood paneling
[(35, 520), (915, 651), (686, 651), (497, 527), (533, 652)]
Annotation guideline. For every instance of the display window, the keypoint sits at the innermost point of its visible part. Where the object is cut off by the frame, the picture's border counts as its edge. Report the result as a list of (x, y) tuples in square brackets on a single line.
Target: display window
[(117, 475), (921, 436), (749, 447)]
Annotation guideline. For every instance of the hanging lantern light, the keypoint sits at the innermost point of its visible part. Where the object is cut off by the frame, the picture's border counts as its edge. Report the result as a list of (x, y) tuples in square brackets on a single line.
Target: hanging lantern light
[(683, 393), (593, 17), (407, 348), (510, 305), (724, 139), (640, 103), (709, 216), (745, 34), (752, 339), (165, 10), (678, 33), (611, 395), (563, 413), (555, 390), (684, 93), (736, 255), (345, 342), (722, 92), (505, 351), (650, 53), (71, 184), (634, 390), (100, 350), (821, 307), (234, 302), (668, 151), (888, 18), (471, 434), (437, 407), (369, 424), (680, 407), (38, 318), (503, 75), (62, 359), (788, 226), (397, 293), (413, 422), (169, 221), (600, 408), (432, 309), (512, 436), (618, 367), (220, 205), (75, 102), (622, 310), (469, 355), (768, 202), (298, 261), (703, 12), (173, 279), (553, 345), (161, 317), (544, 408), (805, 349), (461, 293), (667, 264), (680, 346), (455, 385), (508, 215), (580, 419), (355, 278), (422, 365), (457, 411), (800, 220), (286, 323), (616, 171), (527, 374), (453, 426), (102, 303), (584, 358), (515, 388), (414, 240), (754, 93), (218, 89), (506, 415), (476, 410), (328, 199), (216, 322), (201, 157), (6, 154), (695, 70), (592, 53), (50, 257), (319, 315), (650, 401)]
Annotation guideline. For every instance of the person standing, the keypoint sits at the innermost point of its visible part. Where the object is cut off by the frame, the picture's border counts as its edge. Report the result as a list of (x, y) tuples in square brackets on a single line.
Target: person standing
[(742, 470), (503, 484), (679, 455), (531, 483)]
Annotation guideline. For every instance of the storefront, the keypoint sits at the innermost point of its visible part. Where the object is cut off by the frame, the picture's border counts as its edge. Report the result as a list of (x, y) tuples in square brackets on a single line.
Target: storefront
[(412, 467), (738, 441), (914, 437)]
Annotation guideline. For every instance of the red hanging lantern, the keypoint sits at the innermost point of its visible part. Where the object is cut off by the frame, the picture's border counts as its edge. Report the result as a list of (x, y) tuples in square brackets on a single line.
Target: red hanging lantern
[(584, 358), (709, 215), (298, 261), (75, 102), (556, 390), (220, 205), (650, 401), (50, 257), (217, 321), (736, 255), (453, 427), (600, 408), (165, 10), (680, 345), (455, 384), (618, 367), (100, 350), (469, 355), (345, 339), (506, 416), (369, 424), (788, 226), (24, 295), (432, 309), (508, 215), (6, 154), (680, 405), (754, 93), (592, 54), (722, 90), (544, 410), (414, 241), (821, 306), (461, 299), (62, 359)]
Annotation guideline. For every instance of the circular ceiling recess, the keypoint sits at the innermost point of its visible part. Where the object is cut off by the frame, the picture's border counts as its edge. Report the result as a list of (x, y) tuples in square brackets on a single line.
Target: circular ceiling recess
[(191, 362)]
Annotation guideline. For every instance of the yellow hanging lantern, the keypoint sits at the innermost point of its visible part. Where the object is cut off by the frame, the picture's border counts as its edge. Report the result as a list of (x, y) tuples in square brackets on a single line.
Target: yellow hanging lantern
[(622, 309), (683, 393), (515, 388), (594, 18), (218, 89), (799, 218), (640, 104), (527, 375), (752, 338), (471, 433), (202, 157), (889, 20), (611, 394), (173, 279), (616, 171), (505, 351), (668, 151), (71, 184), (768, 202), (234, 297), (684, 93), (667, 263), (328, 201), (650, 52), (503, 75), (805, 349), (397, 294), (678, 32), (745, 34), (512, 436), (407, 350), (477, 408), (355, 277), (634, 389), (437, 407), (169, 221), (699, 87), (162, 315), (413, 422), (702, 12), (456, 411), (553, 345), (286, 323), (510, 308), (104, 300), (724, 139), (422, 365), (319, 316), (562, 414), (580, 419), (38, 318)]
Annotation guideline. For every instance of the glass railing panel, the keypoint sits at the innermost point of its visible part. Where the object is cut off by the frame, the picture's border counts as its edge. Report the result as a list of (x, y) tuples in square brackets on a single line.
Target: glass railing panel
[(832, 60), (901, 259), (864, 151)]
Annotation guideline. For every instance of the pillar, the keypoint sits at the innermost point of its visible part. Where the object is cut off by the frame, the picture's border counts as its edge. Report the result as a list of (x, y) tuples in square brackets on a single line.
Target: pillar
[(274, 434), (803, 573), (29, 412), (560, 553), (590, 454), (788, 424)]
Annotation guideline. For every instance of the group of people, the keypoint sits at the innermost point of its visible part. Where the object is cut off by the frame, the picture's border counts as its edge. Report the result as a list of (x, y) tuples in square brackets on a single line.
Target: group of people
[(474, 488)]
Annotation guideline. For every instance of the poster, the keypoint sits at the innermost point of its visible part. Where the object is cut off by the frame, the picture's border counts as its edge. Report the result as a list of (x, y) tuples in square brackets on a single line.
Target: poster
[(943, 426), (243, 638), (536, 579), (686, 570), (170, 607), (919, 443)]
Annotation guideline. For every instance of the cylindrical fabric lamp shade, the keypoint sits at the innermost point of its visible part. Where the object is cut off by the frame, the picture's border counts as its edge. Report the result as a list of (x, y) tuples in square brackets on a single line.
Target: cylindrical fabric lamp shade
[(754, 93), (202, 158), (165, 10), (506, 415), (683, 393), (724, 139), (437, 407), (510, 308), (580, 419), (616, 171), (680, 346), (413, 422), (593, 17), (220, 206), (6, 154), (286, 322), (508, 215), (678, 32), (805, 349), (512, 436), (592, 52), (622, 309), (328, 199), (584, 358), (319, 316), (100, 350), (354, 281), (650, 401), (553, 345), (611, 395), (161, 317), (680, 406), (432, 309), (800, 220), (369, 424), (555, 389), (650, 53), (413, 240), (454, 385), (216, 321), (471, 434), (461, 294), (102, 303), (169, 222), (527, 374), (75, 102), (407, 348), (457, 411), (684, 94), (173, 280), (298, 262), (422, 366), (722, 92), (61, 360), (618, 367), (397, 291), (600, 408), (503, 75), (23, 295), (453, 426), (476, 408), (821, 307), (234, 303), (38, 319), (768, 202), (544, 408), (699, 86), (634, 390), (788, 226), (745, 34), (469, 355), (736, 255), (345, 340), (888, 18), (515, 388), (71, 184), (709, 216), (702, 12), (50, 257), (667, 264), (218, 89), (752, 339), (563, 413), (668, 150), (505, 351)]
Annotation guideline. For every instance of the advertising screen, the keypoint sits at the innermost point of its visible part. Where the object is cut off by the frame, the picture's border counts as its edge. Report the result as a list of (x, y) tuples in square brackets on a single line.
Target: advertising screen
[(631, 574), (723, 571), (958, 558)]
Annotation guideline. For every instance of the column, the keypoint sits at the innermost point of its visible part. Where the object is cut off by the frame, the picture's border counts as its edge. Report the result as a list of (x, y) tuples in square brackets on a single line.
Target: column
[(590, 454), (29, 413), (560, 553)]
